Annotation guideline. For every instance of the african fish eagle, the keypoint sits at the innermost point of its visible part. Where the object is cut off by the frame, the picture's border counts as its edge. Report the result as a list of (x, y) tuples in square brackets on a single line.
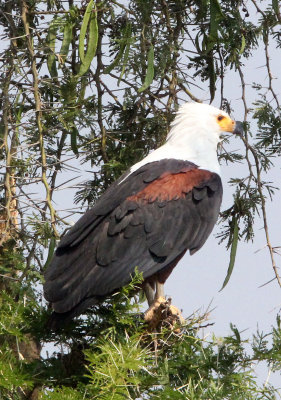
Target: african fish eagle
[(161, 207)]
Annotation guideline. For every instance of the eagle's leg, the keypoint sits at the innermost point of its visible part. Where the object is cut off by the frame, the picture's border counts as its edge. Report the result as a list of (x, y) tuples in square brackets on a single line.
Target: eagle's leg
[(149, 293), (159, 290)]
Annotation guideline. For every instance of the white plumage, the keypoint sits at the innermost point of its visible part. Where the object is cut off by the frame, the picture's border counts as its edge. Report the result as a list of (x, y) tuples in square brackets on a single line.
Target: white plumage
[(194, 137)]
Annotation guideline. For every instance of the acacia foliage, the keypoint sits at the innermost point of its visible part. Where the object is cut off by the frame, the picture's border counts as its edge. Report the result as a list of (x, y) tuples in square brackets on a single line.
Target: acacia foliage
[(97, 84), (110, 354)]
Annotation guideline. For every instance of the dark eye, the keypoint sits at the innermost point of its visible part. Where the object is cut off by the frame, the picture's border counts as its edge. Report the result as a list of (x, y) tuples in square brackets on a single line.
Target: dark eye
[(220, 117)]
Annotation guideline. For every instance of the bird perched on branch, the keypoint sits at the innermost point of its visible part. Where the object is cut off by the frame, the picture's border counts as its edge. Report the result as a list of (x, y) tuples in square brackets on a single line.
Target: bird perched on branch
[(161, 207)]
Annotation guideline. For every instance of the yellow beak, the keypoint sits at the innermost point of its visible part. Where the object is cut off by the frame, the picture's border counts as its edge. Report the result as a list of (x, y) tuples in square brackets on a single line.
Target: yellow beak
[(227, 124)]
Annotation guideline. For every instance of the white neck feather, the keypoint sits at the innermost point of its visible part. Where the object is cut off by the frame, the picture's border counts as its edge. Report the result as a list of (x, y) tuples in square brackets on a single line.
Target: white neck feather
[(187, 142)]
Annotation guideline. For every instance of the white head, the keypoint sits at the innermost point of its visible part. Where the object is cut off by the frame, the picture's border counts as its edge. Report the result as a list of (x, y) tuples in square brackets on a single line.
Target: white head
[(195, 122), (194, 136)]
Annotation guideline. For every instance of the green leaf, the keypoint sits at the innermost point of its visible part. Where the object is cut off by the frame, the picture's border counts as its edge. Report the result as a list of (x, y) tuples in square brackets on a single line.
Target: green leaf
[(232, 252), (243, 44), (52, 246), (124, 44), (197, 44), (216, 16), (67, 37), (275, 6), (12, 376), (90, 18), (115, 62), (125, 60), (82, 91), (202, 9), (73, 140), (83, 30), (212, 75), (51, 43), (150, 70), (69, 90)]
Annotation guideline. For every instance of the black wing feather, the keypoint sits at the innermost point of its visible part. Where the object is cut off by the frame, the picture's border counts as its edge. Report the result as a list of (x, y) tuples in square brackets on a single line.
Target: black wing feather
[(100, 253)]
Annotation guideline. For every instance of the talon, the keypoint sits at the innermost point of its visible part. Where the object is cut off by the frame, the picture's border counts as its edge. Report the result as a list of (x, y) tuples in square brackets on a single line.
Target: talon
[(162, 313)]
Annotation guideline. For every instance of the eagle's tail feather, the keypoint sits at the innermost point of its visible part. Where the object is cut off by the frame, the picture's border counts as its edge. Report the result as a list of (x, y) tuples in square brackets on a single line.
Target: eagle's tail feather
[(57, 320)]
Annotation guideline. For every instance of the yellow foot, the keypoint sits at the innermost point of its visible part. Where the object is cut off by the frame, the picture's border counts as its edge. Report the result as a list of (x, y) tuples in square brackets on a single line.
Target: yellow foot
[(162, 313)]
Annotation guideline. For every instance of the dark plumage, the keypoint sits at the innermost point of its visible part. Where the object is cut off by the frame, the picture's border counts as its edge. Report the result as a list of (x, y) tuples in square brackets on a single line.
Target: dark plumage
[(163, 206), (144, 220)]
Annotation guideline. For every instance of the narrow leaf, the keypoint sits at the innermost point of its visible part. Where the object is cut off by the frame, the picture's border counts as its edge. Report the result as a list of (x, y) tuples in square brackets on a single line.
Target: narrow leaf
[(82, 91), (117, 59), (216, 16), (52, 246), (232, 252), (51, 43), (92, 43), (275, 6), (123, 45), (197, 45), (212, 75), (125, 61), (67, 37), (243, 44), (73, 140), (83, 30), (150, 70), (69, 90), (202, 9)]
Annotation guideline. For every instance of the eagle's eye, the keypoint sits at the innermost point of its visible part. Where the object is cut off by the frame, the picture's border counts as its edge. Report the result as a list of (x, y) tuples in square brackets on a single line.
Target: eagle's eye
[(220, 117)]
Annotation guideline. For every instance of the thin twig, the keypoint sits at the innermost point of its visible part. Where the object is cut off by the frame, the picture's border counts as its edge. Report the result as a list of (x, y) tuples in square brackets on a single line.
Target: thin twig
[(265, 224), (38, 110)]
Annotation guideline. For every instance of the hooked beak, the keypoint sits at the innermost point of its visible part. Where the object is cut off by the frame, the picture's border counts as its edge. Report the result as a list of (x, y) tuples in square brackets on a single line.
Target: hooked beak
[(238, 130)]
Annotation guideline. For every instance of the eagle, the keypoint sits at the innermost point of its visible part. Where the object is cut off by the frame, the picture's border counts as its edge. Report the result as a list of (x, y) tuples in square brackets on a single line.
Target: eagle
[(163, 206)]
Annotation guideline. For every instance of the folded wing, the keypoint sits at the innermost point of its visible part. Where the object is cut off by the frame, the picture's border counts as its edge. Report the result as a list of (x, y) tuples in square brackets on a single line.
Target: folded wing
[(146, 220)]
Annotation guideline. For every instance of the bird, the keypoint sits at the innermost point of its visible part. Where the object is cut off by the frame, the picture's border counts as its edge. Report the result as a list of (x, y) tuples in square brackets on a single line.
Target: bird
[(162, 207)]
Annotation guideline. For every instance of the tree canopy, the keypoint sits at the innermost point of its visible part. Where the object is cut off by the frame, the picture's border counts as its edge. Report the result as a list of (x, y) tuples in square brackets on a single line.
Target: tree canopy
[(95, 85)]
